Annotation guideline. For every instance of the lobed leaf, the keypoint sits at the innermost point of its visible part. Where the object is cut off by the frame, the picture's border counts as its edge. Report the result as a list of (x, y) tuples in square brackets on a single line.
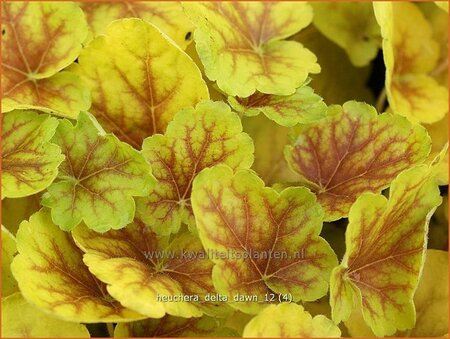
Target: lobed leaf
[(197, 138), (9, 249), (22, 320), (385, 240), (301, 107), (352, 151), (139, 79), (240, 45), (172, 327), (290, 320), (350, 25), (40, 39), (430, 303), (52, 276), (167, 16), (267, 242), (29, 160), (139, 268), (410, 54), (98, 179)]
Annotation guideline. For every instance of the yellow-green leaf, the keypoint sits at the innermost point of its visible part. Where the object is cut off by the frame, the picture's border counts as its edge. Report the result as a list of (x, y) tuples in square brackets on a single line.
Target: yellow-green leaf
[(442, 4), (269, 139), (197, 138), (290, 320), (431, 297), (29, 160), (241, 47), (301, 107), (22, 320), (139, 79), (14, 211), (430, 301), (268, 242), (52, 276), (38, 40), (9, 249), (410, 55), (439, 137), (353, 151), (174, 327), (167, 16), (385, 242), (339, 80), (352, 26), (145, 272), (98, 179)]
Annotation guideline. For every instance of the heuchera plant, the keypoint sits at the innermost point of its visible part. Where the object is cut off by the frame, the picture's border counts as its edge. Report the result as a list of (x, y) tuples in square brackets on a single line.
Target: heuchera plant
[(224, 169)]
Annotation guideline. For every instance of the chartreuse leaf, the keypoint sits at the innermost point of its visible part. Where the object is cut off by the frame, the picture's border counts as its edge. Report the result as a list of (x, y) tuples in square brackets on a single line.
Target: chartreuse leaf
[(350, 25), (335, 84), (385, 245), (138, 79), (14, 211), (22, 320), (199, 137), (442, 4), (98, 179), (290, 320), (9, 249), (39, 39), (52, 276), (301, 107), (269, 139), (430, 301), (29, 160), (167, 16), (267, 242), (439, 137), (144, 271), (169, 326), (410, 54), (353, 151), (241, 46)]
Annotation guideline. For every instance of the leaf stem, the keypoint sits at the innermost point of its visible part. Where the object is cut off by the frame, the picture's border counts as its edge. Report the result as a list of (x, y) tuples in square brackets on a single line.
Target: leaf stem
[(381, 100)]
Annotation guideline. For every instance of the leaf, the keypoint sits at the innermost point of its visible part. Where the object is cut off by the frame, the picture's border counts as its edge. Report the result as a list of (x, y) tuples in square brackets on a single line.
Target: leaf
[(140, 269), (301, 107), (267, 242), (14, 211), (439, 137), (40, 39), (352, 26), (442, 4), (9, 249), (53, 277), (430, 300), (385, 245), (138, 79), (438, 232), (353, 151), (241, 46), (22, 320), (174, 327), (29, 160), (167, 16), (197, 138), (290, 320), (339, 80), (410, 54), (269, 139), (98, 180), (431, 297)]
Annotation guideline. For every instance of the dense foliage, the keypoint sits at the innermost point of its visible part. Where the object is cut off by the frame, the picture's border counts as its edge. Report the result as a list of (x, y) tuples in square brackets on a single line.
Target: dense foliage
[(224, 169)]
